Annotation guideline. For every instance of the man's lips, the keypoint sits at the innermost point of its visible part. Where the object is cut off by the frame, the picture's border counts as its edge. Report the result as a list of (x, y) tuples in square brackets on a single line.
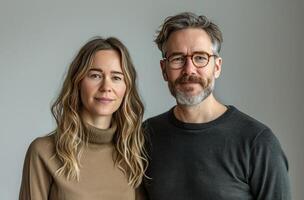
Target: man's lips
[(184, 83)]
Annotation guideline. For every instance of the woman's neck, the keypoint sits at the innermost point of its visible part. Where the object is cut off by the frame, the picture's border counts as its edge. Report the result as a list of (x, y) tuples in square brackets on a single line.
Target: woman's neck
[(101, 122)]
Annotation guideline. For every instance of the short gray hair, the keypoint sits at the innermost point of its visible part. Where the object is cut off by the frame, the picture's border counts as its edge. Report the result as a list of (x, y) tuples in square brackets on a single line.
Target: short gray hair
[(188, 20)]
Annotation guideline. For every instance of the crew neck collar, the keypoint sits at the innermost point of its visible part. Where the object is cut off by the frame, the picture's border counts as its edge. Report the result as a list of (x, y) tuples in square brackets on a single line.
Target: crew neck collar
[(197, 126)]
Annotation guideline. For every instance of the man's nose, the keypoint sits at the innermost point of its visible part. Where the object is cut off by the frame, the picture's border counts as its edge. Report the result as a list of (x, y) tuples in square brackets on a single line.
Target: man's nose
[(189, 67)]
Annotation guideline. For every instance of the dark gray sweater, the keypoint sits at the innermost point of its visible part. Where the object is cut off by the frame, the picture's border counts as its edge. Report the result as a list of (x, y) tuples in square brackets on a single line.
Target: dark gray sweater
[(233, 157)]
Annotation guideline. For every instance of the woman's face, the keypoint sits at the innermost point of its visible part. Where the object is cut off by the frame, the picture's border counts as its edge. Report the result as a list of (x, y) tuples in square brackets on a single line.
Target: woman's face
[(103, 88)]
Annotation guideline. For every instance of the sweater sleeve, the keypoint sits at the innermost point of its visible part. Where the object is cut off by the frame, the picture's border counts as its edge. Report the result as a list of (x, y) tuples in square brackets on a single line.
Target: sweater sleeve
[(268, 176), (36, 180)]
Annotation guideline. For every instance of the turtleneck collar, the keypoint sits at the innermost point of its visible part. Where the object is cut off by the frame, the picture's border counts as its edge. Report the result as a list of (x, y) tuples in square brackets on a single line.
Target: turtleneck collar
[(100, 136)]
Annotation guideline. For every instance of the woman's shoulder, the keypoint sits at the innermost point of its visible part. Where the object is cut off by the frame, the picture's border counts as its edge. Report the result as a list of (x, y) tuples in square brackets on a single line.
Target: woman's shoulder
[(43, 145), (40, 158)]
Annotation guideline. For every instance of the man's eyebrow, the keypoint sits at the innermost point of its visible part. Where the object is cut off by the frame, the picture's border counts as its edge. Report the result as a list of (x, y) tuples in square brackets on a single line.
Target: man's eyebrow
[(181, 53), (176, 53)]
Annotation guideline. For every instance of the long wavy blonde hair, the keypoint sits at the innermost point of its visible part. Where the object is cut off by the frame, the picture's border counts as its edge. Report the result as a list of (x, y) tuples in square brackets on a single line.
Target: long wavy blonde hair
[(70, 137)]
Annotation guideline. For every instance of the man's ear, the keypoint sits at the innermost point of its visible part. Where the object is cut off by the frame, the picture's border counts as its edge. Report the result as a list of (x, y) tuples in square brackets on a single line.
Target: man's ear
[(163, 69), (165, 76), (218, 67)]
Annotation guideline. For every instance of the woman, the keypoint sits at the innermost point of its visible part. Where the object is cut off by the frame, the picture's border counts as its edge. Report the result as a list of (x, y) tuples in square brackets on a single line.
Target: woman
[(96, 151)]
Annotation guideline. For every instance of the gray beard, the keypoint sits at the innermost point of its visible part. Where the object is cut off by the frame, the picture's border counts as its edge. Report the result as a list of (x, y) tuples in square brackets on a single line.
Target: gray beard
[(186, 100)]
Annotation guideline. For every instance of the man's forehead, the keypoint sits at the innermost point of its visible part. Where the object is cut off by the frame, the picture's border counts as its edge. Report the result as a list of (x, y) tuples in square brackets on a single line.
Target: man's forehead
[(185, 40)]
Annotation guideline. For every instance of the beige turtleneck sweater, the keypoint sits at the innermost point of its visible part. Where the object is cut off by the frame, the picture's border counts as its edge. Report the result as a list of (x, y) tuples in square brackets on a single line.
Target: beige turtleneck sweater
[(100, 179)]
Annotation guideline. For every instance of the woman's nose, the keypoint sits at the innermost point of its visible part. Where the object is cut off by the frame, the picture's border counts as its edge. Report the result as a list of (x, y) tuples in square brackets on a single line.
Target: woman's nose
[(105, 85)]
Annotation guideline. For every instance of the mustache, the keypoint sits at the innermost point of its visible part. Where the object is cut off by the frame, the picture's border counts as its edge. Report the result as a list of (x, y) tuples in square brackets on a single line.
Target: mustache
[(191, 79)]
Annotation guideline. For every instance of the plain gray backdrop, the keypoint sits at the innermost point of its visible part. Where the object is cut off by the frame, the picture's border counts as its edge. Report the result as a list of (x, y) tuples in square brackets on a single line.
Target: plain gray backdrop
[(262, 70)]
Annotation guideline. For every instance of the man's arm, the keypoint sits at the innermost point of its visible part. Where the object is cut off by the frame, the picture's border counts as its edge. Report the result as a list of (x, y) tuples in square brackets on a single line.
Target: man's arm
[(268, 174)]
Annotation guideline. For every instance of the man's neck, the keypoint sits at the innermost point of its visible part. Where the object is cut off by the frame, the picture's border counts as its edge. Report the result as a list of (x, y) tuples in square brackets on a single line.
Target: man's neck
[(206, 111)]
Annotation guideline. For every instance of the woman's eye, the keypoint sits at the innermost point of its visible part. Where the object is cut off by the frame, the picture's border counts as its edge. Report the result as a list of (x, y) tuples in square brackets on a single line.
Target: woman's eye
[(117, 78), (95, 76)]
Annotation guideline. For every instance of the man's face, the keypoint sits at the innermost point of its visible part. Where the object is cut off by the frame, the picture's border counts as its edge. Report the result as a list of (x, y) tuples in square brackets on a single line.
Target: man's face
[(190, 85)]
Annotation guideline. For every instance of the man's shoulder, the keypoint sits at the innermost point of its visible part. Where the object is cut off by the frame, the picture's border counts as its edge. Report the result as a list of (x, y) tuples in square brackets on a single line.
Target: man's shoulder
[(243, 121), (163, 117), (158, 123)]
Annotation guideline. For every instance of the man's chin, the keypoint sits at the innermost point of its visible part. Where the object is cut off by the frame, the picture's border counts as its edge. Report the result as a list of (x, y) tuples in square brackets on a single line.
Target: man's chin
[(189, 92), (189, 87), (191, 98)]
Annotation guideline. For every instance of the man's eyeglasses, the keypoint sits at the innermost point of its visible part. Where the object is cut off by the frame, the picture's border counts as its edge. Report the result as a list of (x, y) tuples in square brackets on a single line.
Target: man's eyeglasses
[(199, 59)]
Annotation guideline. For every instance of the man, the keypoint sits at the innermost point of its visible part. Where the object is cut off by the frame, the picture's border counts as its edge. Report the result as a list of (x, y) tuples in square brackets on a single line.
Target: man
[(201, 148)]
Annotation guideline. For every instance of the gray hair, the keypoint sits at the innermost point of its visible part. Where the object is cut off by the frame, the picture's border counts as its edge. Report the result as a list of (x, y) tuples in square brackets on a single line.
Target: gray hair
[(188, 20)]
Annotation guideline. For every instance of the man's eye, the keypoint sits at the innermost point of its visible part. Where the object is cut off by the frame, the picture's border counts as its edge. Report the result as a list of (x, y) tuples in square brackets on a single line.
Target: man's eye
[(177, 59), (200, 58)]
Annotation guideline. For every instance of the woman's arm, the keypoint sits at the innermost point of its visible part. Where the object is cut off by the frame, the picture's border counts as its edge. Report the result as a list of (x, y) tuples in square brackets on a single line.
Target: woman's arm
[(36, 179)]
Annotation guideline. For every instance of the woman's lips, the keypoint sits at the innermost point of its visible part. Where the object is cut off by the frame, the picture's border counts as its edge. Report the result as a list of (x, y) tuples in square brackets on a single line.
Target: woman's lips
[(103, 99)]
